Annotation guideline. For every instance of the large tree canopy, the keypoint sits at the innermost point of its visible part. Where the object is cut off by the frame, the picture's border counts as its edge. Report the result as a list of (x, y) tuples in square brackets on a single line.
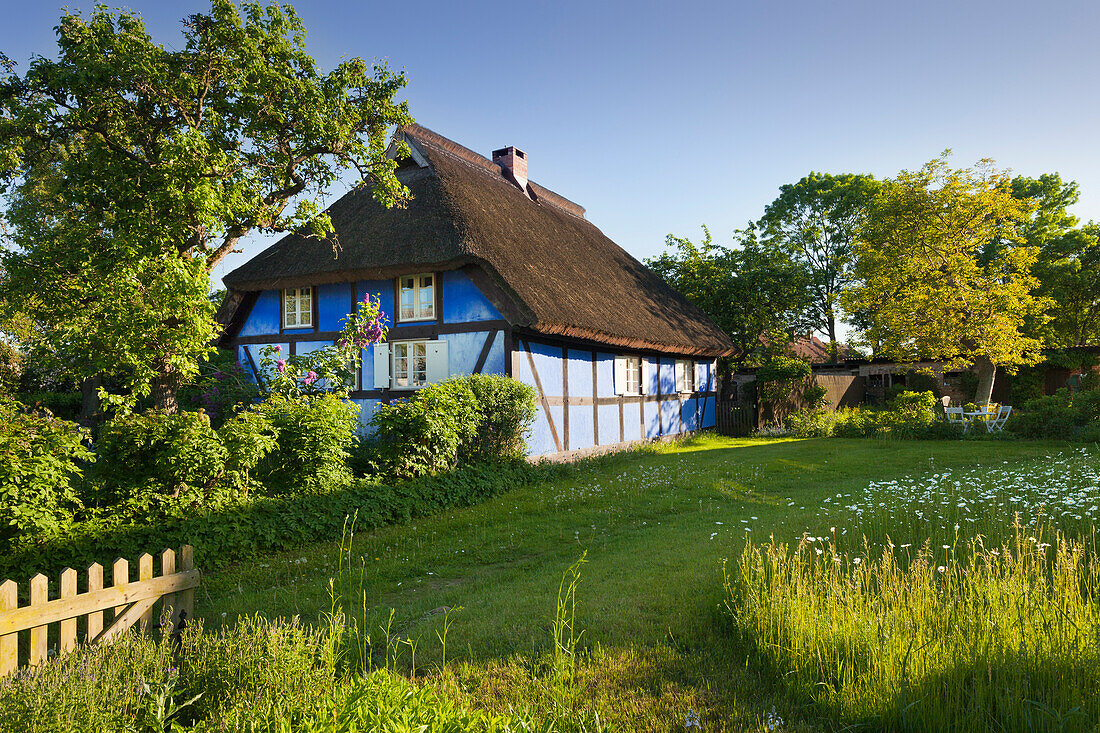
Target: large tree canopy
[(751, 292), (1068, 265), (814, 223), (131, 170), (943, 270)]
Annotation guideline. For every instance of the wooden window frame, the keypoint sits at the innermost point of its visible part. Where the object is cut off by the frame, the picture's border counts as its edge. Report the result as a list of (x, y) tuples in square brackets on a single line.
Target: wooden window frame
[(433, 304), (632, 366), (297, 299), (684, 368), (393, 364)]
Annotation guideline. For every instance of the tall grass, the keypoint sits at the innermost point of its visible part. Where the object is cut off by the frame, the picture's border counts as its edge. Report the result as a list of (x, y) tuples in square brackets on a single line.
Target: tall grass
[(995, 639)]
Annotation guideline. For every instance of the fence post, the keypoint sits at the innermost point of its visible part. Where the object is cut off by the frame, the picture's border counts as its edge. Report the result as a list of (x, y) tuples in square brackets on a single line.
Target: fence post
[(167, 567), (67, 639), (187, 597), (120, 575), (9, 643), (95, 582), (40, 593), (145, 572)]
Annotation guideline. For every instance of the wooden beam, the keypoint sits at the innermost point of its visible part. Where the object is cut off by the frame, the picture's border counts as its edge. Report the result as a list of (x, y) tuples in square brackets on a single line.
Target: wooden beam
[(121, 595), (40, 589), (595, 405), (565, 397), (485, 349), (123, 622), (67, 638), (95, 582), (542, 395)]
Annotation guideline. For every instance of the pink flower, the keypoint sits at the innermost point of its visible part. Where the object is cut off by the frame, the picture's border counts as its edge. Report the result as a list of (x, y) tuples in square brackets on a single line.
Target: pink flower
[(311, 377), (281, 365), (278, 349)]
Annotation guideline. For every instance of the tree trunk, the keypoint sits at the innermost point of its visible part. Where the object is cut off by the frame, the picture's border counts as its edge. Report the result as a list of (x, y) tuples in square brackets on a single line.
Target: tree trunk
[(89, 399), (987, 372), (163, 391)]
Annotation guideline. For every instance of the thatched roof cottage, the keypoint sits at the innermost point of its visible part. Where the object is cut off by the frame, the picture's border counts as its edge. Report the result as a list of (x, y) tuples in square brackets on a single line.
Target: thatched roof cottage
[(486, 271)]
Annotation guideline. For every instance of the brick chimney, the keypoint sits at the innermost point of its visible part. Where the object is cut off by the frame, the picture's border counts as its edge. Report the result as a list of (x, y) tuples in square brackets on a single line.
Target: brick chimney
[(513, 162)]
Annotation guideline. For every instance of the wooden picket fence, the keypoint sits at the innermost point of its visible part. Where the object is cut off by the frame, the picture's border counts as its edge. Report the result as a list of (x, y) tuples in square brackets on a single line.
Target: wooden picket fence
[(127, 602)]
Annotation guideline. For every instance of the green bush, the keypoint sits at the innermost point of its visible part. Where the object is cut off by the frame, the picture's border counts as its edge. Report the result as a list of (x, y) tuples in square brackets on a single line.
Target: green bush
[(315, 436), (39, 458), (248, 526), (154, 452), (507, 409), (154, 465), (1063, 415), (62, 404), (424, 433), (908, 415)]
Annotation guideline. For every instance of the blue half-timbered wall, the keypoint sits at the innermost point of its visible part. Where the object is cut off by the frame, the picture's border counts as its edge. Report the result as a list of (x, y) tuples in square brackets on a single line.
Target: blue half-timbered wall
[(580, 410), (474, 330)]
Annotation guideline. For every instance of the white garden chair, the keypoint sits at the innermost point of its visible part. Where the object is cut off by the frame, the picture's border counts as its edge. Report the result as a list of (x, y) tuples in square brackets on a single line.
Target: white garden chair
[(955, 416), (998, 422)]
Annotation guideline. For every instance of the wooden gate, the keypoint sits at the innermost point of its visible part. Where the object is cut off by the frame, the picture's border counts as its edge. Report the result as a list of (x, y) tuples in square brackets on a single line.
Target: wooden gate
[(735, 420), (128, 602)]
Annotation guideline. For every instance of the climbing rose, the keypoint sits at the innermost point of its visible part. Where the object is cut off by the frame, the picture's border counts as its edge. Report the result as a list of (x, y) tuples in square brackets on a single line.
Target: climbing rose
[(311, 377), (281, 365)]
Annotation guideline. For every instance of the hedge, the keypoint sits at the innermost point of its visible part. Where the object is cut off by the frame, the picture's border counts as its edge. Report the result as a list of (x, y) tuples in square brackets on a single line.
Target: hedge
[(263, 525)]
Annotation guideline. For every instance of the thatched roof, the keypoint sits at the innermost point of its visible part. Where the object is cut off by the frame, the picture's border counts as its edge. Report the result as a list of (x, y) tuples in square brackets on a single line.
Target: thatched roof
[(561, 275)]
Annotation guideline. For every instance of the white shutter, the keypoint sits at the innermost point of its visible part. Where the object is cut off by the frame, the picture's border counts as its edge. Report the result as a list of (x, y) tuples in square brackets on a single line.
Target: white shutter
[(381, 366), (645, 376), (439, 367), (620, 375)]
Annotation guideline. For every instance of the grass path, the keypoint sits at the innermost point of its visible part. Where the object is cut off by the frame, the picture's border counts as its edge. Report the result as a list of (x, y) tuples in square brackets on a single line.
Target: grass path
[(655, 526)]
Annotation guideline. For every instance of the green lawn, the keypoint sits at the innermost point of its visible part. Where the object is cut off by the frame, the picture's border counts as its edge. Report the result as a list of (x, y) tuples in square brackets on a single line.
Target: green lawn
[(655, 526)]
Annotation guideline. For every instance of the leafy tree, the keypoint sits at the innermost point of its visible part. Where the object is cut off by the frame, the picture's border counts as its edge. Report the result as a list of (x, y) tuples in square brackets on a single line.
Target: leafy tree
[(814, 223), (150, 164), (1068, 266), (748, 290), (929, 280)]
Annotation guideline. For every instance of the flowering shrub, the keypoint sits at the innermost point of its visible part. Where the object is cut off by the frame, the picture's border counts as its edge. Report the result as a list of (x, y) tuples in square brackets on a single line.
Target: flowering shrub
[(38, 462), (221, 388), (331, 368)]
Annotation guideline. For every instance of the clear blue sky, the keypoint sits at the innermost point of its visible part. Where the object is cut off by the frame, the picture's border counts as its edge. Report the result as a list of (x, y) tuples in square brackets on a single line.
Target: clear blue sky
[(659, 117)]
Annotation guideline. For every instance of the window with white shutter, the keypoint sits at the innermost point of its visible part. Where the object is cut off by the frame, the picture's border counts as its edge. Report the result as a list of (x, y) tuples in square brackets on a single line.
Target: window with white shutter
[(414, 364), (685, 376), (628, 375)]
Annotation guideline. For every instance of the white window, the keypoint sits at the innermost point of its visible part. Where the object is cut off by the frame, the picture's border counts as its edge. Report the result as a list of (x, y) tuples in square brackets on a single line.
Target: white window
[(417, 297), (410, 364), (628, 375), (298, 308), (685, 376)]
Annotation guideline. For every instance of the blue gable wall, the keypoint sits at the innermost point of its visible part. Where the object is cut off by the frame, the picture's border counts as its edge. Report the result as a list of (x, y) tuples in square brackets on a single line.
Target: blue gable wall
[(264, 318), (463, 302)]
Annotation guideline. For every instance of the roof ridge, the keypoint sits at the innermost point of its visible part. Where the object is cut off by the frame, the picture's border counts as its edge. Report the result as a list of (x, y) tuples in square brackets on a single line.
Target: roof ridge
[(478, 161)]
